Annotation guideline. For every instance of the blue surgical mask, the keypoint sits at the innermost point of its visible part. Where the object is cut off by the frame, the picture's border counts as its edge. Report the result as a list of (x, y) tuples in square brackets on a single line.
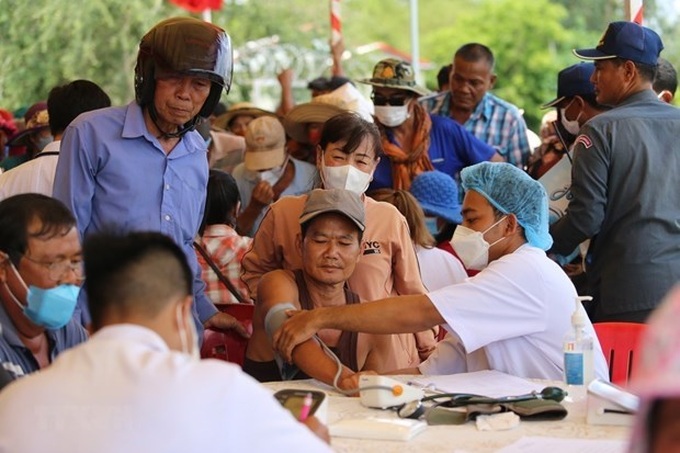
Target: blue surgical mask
[(50, 308)]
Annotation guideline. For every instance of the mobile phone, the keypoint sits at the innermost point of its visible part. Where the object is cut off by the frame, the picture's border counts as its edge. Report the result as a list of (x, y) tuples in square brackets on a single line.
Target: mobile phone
[(293, 400)]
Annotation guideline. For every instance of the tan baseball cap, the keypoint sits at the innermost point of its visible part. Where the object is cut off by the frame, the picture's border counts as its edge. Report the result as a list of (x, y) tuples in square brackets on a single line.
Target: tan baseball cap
[(345, 202), (265, 144)]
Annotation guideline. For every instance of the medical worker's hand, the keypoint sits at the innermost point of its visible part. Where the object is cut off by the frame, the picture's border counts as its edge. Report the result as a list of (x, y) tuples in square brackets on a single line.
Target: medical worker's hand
[(299, 327)]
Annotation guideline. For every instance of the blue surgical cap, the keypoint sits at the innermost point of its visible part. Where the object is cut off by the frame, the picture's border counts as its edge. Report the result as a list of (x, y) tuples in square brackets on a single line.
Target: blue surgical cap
[(512, 191)]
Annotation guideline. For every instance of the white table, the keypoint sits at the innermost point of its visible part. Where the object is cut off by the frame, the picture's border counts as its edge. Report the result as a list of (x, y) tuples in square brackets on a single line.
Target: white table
[(452, 438)]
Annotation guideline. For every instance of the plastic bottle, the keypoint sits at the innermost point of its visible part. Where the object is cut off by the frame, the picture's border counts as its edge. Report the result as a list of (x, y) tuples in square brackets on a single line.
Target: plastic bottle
[(578, 349)]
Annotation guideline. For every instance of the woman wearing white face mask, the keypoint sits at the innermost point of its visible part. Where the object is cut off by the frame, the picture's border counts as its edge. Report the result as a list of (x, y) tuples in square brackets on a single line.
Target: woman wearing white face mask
[(415, 141), (268, 172), (347, 156)]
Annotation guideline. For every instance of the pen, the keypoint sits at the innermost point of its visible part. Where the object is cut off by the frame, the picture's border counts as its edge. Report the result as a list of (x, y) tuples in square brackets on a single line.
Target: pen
[(306, 406)]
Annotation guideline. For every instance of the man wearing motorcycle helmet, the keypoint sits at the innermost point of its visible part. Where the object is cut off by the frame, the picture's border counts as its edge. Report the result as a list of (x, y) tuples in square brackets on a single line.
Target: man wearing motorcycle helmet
[(143, 166)]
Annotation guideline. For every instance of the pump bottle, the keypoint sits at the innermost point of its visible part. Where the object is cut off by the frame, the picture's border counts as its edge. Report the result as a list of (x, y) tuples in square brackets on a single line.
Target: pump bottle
[(578, 348)]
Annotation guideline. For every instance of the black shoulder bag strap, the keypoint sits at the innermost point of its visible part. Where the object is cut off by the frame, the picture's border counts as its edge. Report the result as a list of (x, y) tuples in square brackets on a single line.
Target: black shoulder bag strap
[(225, 281)]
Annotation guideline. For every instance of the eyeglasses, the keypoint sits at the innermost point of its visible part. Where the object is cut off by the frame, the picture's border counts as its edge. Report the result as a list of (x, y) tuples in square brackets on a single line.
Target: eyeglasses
[(57, 269), (379, 99)]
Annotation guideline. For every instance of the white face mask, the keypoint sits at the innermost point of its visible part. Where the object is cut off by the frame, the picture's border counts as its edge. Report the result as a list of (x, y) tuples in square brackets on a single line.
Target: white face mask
[(572, 126), (189, 345), (345, 177), (391, 115), (271, 176), (471, 247)]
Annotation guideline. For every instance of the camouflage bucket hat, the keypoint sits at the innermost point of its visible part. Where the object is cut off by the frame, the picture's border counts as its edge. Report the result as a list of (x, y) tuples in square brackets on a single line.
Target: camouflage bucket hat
[(393, 73)]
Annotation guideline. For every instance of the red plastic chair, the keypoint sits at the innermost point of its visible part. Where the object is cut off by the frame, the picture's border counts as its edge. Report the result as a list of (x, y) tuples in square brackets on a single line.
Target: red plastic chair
[(228, 345), (619, 341)]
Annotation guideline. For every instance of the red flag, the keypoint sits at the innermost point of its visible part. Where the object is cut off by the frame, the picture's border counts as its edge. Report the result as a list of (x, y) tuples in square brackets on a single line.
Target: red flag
[(197, 6)]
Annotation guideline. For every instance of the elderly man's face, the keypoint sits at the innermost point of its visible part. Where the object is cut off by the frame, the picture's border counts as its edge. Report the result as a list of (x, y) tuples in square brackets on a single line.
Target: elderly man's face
[(49, 262), (469, 81), (330, 249), (178, 99)]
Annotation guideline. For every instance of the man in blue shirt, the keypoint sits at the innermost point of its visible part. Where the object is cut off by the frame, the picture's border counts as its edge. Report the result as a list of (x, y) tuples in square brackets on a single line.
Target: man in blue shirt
[(468, 102), (143, 166), (40, 264), (415, 141)]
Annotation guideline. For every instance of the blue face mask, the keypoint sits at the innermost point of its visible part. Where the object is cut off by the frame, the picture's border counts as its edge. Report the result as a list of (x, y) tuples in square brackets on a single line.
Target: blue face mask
[(50, 308)]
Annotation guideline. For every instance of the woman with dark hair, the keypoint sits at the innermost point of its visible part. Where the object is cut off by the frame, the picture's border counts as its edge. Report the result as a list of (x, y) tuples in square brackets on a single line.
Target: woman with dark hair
[(348, 152), (223, 245)]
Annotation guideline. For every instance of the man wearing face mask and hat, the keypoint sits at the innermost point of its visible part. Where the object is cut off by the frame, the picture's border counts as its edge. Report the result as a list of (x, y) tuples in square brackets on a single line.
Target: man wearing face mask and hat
[(626, 166), (40, 268), (415, 141), (576, 102), (510, 317), (137, 384), (268, 172)]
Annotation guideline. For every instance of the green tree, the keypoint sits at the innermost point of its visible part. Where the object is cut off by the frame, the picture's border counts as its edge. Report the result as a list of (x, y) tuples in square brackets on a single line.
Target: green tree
[(45, 42), (528, 52)]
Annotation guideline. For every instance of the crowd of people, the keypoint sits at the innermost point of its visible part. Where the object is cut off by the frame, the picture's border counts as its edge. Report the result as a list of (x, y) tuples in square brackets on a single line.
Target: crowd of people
[(411, 232)]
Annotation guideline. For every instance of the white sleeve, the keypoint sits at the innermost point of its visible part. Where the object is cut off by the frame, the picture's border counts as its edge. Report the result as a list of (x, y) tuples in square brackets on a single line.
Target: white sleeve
[(501, 302), (447, 358)]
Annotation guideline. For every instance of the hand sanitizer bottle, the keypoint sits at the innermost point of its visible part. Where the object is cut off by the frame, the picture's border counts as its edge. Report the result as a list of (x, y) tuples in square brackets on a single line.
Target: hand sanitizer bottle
[(578, 349)]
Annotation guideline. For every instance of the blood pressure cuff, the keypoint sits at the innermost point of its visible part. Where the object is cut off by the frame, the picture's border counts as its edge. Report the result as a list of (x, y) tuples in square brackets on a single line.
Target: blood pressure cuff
[(272, 322), (538, 409), (530, 410)]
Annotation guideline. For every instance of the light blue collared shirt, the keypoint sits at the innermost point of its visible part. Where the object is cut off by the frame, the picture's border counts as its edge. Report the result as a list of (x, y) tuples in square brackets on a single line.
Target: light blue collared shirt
[(113, 173)]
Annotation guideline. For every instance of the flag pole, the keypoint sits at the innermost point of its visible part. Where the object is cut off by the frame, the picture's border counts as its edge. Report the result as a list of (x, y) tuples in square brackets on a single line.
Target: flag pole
[(634, 9)]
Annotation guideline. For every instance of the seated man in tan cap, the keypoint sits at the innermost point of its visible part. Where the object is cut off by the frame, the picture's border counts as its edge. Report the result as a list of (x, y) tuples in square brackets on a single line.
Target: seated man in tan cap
[(267, 172), (332, 225)]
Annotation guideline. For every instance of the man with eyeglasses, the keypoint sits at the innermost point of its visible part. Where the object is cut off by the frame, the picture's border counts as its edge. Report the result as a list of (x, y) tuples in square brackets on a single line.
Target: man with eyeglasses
[(415, 141), (40, 270)]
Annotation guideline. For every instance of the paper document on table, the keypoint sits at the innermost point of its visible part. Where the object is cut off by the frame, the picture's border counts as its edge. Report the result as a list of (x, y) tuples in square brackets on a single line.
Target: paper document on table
[(494, 384), (557, 445)]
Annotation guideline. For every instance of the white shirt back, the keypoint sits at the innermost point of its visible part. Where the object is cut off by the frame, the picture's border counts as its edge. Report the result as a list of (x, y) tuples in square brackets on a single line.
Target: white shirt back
[(125, 391), (36, 175)]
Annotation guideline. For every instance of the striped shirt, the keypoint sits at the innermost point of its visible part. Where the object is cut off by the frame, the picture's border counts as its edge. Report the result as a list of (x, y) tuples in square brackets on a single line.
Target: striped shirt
[(494, 121)]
